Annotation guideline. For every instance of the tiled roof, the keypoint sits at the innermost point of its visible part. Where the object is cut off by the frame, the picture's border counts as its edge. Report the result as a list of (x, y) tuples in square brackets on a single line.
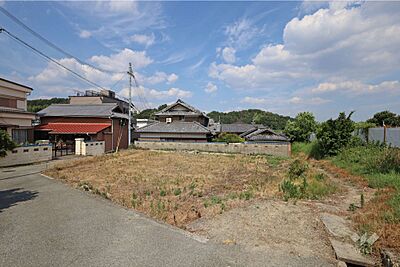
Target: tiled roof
[(174, 127), (193, 111), (237, 127), (73, 128), (96, 110), (264, 134)]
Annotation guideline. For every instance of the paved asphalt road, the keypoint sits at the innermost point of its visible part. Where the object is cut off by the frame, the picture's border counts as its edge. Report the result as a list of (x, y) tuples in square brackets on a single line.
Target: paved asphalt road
[(46, 223)]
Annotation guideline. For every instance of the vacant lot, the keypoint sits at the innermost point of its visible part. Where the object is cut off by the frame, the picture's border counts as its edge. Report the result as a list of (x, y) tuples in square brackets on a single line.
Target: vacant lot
[(176, 187)]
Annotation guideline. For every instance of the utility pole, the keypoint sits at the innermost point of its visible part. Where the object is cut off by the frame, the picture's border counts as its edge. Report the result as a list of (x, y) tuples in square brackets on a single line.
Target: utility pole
[(130, 73)]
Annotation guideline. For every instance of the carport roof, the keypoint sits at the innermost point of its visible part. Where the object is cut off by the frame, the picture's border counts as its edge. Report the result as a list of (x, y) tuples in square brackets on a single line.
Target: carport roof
[(73, 128)]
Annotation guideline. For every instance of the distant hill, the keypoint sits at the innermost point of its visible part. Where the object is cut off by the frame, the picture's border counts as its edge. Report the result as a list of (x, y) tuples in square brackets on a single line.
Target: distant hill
[(269, 119), (39, 104)]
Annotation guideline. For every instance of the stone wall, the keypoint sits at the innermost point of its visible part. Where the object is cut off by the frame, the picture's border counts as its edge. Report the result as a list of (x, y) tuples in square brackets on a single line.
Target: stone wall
[(275, 149), (89, 148), (27, 155)]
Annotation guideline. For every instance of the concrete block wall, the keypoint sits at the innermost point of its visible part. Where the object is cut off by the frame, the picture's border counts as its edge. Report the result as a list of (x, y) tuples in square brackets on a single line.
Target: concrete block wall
[(27, 155), (89, 148), (283, 149)]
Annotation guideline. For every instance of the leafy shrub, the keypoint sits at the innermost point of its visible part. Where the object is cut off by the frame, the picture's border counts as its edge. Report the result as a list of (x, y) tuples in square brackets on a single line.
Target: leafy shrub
[(302, 183), (333, 135), (289, 189), (301, 127), (297, 168), (229, 138), (6, 144), (389, 161)]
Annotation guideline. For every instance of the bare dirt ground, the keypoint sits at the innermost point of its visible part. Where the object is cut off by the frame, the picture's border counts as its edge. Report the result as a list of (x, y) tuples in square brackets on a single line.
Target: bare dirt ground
[(270, 225)]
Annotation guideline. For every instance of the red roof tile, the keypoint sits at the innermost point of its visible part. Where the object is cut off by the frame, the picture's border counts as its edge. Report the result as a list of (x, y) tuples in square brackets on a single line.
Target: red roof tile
[(73, 128)]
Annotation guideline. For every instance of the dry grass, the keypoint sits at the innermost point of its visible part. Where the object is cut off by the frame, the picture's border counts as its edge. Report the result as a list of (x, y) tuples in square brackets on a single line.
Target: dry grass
[(375, 215), (176, 187)]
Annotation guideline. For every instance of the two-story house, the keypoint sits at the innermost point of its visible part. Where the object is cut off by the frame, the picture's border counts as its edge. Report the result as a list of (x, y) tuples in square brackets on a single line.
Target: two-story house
[(178, 122), (14, 117)]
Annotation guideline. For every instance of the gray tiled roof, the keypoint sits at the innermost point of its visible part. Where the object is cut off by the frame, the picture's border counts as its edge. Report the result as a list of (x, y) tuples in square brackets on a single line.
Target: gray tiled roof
[(174, 127), (237, 127), (265, 134), (67, 110), (193, 110)]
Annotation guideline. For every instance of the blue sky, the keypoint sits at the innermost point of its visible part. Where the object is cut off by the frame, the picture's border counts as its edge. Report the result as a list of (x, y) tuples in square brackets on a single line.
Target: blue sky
[(284, 57)]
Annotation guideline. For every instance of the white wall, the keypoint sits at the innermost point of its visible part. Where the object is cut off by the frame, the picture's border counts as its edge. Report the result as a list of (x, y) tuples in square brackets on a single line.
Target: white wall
[(89, 148), (26, 155)]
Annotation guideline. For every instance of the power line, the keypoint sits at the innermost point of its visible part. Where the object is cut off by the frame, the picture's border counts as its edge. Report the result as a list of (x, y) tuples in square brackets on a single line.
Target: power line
[(17, 39), (48, 58), (37, 35)]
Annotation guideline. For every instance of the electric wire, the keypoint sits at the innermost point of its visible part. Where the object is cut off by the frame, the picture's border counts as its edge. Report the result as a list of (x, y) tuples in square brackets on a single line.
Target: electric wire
[(49, 43)]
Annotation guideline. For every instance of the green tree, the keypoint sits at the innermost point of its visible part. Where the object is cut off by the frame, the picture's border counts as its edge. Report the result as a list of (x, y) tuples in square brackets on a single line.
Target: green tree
[(387, 117), (229, 138), (333, 135), (269, 119), (6, 144), (39, 104), (149, 113), (301, 127)]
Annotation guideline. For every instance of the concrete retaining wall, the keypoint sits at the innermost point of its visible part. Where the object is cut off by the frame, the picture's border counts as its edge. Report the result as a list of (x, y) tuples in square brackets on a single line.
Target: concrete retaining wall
[(89, 148), (26, 155), (275, 149)]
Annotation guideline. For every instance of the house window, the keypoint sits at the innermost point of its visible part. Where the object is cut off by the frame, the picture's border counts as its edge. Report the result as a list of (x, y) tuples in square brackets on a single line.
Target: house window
[(20, 136), (168, 120)]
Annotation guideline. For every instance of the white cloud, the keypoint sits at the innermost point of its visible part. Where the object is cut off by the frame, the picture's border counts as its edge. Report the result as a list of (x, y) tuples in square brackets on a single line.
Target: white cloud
[(149, 93), (357, 87), (279, 101), (118, 20), (85, 34), (346, 43), (254, 100), (307, 101), (143, 39), (228, 54), (55, 80), (210, 88), (118, 62), (241, 33), (158, 77)]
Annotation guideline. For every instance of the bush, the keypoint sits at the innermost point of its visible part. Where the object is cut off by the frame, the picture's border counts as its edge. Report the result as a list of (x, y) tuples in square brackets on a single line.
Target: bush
[(388, 161), (229, 138), (6, 144), (301, 128), (297, 169), (333, 135)]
